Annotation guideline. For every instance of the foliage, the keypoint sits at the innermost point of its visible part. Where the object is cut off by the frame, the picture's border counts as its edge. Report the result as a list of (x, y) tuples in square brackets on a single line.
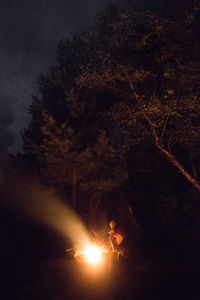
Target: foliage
[(62, 157), (132, 82), (67, 137), (180, 211), (150, 64)]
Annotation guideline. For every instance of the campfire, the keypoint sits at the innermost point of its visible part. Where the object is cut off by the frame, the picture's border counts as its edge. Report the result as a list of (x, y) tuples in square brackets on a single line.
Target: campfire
[(91, 254)]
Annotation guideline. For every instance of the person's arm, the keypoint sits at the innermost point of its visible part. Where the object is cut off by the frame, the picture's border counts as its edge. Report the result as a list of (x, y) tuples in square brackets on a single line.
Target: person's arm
[(118, 238)]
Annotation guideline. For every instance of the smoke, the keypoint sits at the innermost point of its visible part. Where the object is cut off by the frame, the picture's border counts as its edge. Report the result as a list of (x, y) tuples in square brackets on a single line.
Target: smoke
[(46, 207)]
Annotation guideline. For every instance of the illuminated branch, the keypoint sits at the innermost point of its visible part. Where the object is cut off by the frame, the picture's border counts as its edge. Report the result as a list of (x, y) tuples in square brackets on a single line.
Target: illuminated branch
[(164, 127)]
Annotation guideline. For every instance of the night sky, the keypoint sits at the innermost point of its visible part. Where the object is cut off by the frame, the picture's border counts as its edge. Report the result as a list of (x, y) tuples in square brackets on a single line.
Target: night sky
[(29, 33)]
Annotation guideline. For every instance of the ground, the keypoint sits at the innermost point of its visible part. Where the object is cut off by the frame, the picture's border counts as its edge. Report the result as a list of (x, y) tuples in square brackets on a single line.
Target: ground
[(64, 278), (35, 266)]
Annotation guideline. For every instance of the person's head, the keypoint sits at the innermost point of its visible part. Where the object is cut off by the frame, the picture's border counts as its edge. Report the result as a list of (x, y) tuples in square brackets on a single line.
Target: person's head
[(112, 224)]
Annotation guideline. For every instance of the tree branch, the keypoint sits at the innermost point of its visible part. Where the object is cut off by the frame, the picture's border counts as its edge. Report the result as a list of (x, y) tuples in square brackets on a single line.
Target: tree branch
[(164, 127)]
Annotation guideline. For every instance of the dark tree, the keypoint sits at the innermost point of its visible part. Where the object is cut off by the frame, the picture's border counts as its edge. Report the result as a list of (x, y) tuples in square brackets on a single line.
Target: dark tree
[(151, 66), (68, 137)]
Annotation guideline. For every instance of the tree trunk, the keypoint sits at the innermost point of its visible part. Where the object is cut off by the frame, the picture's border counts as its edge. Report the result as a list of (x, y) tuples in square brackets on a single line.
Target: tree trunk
[(160, 146), (74, 182), (176, 163), (169, 155), (134, 220), (194, 170), (94, 203)]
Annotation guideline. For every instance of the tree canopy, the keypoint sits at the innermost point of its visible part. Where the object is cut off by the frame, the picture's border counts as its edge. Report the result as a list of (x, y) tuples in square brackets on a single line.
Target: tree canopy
[(131, 81), (151, 66)]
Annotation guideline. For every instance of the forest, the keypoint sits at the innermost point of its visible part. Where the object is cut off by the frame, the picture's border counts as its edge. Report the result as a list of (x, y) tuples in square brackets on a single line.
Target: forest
[(115, 127)]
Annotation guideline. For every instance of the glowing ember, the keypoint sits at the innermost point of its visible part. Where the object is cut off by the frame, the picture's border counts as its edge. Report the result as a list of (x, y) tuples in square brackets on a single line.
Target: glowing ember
[(92, 254)]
